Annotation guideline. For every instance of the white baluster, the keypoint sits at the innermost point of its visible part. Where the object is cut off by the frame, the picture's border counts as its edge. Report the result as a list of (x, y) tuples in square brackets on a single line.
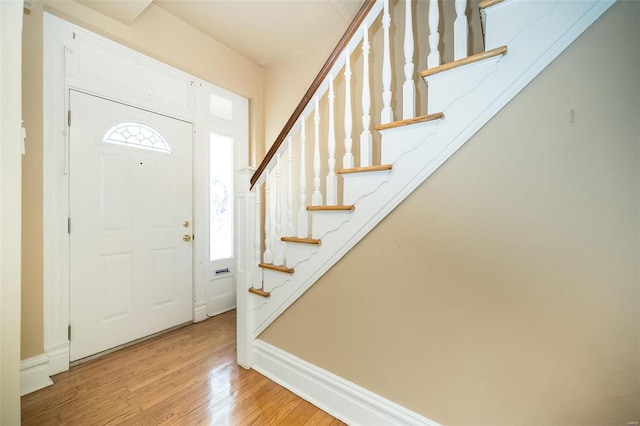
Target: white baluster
[(290, 226), (460, 31), (332, 178), (365, 137), (257, 278), (347, 159), (303, 215), (409, 86), (386, 116), (278, 255), (268, 256), (433, 60), (316, 197)]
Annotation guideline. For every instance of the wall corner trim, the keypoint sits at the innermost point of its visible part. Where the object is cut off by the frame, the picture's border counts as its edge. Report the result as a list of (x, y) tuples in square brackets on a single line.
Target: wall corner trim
[(339, 397), (200, 311), (34, 374), (58, 355)]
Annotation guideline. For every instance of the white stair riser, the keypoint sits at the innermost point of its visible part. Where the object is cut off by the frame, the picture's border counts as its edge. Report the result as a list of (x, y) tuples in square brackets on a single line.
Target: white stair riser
[(358, 185), (326, 222), (274, 279), (297, 252), (448, 86), (503, 21), (396, 142)]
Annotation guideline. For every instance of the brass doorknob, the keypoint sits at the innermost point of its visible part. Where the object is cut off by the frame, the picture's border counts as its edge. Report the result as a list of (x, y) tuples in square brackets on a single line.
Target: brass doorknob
[(186, 237)]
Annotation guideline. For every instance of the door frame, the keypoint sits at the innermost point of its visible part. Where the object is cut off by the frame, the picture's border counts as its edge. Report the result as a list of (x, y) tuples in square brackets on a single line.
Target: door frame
[(175, 96)]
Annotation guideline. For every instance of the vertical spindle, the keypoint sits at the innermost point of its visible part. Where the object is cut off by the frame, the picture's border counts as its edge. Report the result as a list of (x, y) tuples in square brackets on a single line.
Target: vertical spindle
[(365, 137), (277, 243), (332, 178), (290, 226), (303, 215), (409, 87), (316, 197), (433, 59), (347, 159), (460, 31), (267, 256), (386, 116)]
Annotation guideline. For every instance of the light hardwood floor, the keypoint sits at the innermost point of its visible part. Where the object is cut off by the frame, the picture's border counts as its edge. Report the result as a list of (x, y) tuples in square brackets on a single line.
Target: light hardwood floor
[(188, 376)]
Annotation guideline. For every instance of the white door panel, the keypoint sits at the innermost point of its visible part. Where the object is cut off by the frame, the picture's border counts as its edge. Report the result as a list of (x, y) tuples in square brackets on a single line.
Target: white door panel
[(130, 269)]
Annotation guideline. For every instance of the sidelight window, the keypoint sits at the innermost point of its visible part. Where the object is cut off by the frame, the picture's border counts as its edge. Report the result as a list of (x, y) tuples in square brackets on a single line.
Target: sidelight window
[(221, 197)]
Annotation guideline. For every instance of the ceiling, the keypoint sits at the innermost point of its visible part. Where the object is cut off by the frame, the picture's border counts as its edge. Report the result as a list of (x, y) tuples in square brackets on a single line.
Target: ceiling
[(263, 31)]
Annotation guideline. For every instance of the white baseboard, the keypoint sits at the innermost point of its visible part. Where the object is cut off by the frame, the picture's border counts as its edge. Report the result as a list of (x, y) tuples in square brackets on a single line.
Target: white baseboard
[(221, 303), (200, 312), (342, 399), (58, 355), (34, 374)]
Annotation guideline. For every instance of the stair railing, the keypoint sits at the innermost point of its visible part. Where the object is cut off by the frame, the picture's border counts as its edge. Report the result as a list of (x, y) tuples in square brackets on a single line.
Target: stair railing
[(303, 175)]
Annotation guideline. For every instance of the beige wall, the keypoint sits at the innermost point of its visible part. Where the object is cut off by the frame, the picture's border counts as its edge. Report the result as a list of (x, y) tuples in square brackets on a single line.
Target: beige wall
[(182, 47), (505, 289), (286, 81), (32, 262)]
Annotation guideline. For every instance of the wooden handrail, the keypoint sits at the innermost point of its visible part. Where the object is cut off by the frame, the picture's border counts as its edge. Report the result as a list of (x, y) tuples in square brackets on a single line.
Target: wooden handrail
[(324, 71)]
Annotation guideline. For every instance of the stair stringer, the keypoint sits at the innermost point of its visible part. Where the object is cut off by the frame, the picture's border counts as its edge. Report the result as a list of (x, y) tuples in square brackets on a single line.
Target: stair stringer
[(425, 147)]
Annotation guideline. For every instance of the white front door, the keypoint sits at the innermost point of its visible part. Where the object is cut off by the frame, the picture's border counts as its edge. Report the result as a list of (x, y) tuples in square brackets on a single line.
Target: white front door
[(130, 223)]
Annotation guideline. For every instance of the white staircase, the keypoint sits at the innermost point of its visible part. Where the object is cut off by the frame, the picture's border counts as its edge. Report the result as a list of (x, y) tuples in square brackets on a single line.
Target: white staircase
[(521, 38)]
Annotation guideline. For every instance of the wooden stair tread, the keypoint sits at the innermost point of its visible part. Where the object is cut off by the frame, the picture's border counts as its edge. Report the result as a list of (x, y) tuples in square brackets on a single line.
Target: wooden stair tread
[(502, 50), (278, 268), (259, 292), (488, 3), (408, 121), (379, 168), (330, 208), (312, 241)]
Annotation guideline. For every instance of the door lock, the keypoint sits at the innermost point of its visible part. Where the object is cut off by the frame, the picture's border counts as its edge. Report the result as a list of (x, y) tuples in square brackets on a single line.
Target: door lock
[(186, 224), (186, 237)]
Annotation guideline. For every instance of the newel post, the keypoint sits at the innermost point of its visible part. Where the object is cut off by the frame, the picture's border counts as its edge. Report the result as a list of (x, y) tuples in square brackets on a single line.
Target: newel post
[(245, 263)]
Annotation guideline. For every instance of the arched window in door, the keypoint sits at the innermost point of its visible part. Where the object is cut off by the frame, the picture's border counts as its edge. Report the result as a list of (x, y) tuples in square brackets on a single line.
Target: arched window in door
[(137, 135)]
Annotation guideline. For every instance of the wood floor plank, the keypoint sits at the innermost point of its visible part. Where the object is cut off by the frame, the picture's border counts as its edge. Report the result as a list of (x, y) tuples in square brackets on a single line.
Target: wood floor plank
[(188, 376), (299, 415)]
